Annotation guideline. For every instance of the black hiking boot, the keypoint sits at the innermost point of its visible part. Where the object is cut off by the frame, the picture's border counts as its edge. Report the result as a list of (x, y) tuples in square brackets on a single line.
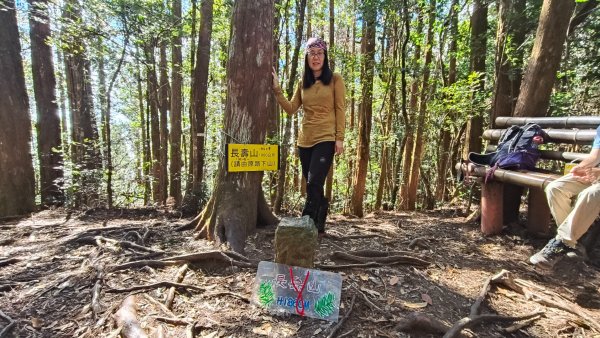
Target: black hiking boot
[(554, 251), (311, 208), (322, 215)]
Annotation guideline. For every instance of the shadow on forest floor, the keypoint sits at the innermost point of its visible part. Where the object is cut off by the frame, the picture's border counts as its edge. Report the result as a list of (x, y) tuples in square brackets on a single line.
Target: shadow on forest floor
[(52, 262)]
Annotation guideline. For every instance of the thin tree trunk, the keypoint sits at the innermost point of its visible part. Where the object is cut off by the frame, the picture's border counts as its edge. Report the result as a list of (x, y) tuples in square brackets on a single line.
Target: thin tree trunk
[(17, 185), (445, 133), (366, 111), (418, 146), (145, 140), (331, 56), (479, 25), (152, 84), (164, 99), (50, 149), (409, 121), (176, 101), (199, 93), (281, 178)]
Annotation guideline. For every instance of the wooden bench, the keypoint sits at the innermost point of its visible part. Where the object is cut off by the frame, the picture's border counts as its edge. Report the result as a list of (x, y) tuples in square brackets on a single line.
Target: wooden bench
[(500, 196)]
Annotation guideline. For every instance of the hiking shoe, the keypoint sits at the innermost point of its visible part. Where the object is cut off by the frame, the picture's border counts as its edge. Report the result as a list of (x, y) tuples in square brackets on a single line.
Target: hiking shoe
[(550, 254)]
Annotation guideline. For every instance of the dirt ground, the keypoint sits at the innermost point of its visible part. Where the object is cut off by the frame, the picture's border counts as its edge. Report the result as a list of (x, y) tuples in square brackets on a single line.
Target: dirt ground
[(58, 279)]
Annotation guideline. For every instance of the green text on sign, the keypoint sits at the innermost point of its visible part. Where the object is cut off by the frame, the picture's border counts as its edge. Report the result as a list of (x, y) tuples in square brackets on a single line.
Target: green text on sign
[(252, 157)]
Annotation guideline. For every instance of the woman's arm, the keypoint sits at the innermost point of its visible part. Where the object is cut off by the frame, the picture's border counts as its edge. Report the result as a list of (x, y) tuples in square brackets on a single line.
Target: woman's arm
[(291, 106)]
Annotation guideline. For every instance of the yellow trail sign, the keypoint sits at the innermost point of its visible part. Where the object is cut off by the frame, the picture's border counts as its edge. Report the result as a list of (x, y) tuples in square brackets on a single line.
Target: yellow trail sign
[(252, 157)]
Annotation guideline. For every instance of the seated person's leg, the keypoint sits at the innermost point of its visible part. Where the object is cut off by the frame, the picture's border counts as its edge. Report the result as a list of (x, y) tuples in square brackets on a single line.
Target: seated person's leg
[(560, 195), (585, 211)]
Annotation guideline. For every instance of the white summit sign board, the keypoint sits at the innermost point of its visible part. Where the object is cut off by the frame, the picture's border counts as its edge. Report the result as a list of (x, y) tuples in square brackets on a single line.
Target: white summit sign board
[(291, 289)]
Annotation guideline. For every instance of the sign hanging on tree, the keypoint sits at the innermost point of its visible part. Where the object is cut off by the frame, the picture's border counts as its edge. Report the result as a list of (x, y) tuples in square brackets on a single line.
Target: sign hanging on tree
[(252, 157), (291, 289)]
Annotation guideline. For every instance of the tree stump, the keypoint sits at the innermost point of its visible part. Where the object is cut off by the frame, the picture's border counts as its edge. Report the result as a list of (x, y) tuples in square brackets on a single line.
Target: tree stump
[(296, 242)]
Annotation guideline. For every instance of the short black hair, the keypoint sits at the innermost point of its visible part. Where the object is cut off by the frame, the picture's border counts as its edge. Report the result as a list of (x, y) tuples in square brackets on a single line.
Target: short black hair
[(309, 79)]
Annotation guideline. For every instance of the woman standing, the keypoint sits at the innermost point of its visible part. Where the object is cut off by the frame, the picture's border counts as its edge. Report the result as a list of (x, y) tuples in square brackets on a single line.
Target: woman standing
[(321, 93)]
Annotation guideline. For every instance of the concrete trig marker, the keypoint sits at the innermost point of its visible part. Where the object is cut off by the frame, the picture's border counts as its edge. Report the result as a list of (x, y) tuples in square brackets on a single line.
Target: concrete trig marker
[(291, 289)]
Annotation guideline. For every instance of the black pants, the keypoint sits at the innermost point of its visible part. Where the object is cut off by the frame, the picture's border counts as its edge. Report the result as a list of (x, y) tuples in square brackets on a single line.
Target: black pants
[(315, 162)]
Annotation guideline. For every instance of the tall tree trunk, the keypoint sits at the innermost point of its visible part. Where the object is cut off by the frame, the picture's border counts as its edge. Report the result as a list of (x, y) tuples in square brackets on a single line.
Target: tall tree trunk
[(237, 204), (366, 110), (479, 25), (84, 134), (548, 46), (50, 151), (164, 105), (404, 108), (409, 118), (331, 56), (509, 36), (145, 140), (445, 160), (285, 146), (152, 85), (386, 154), (198, 95), (176, 101), (418, 145), (17, 185), (191, 117)]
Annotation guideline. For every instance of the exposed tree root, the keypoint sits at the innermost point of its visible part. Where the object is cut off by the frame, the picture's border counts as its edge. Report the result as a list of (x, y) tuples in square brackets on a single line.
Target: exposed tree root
[(391, 260), (9, 326), (228, 257), (543, 296), (189, 225), (174, 320), (343, 320), (158, 304), (126, 318), (422, 322), (104, 242), (474, 320), (228, 293), (9, 261), (346, 237), (96, 290), (476, 307), (178, 279), (348, 266), (418, 242), (155, 286)]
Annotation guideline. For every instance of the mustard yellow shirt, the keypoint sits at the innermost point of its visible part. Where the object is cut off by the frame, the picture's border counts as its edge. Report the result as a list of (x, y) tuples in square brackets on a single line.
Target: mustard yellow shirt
[(324, 111)]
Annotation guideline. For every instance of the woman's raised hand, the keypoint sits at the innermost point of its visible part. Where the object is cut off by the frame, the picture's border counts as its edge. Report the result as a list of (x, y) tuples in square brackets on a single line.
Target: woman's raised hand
[(275, 79)]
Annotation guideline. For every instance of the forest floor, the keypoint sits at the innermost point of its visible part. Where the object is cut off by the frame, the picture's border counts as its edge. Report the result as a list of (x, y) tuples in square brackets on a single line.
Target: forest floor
[(62, 275)]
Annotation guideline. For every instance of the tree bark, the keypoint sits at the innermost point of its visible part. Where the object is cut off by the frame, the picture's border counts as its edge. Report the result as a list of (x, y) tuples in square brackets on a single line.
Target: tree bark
[(152, 98), (50, 149), (445, 160), (164, 104), (409, 117), (510, 35), (418, 146), (176, 101), (200, 90), (17, 185), (84, 134), (366, 110), (237, 203), (479, 25), (287, 131), (548, 46)]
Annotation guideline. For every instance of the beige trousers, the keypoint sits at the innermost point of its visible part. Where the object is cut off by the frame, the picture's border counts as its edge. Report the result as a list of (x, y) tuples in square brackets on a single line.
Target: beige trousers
[(574, 205)]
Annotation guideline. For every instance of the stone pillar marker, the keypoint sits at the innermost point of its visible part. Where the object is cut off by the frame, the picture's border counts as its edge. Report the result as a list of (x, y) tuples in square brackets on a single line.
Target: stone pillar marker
[(296, 242)]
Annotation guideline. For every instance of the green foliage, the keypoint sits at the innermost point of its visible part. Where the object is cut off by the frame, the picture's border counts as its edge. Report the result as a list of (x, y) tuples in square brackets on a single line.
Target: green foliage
[(266, 294), (325, 305)]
